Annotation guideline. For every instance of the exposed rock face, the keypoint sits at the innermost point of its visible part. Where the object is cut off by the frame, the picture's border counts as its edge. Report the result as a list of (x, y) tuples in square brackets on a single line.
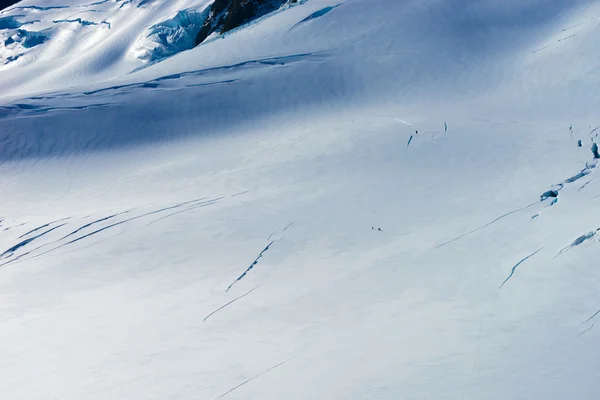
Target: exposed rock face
[(7, 3), (226, 15)]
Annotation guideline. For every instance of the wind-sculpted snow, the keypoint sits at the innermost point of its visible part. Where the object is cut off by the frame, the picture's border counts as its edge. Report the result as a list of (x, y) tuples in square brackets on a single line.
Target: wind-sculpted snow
[(317, 14), (36, 137)]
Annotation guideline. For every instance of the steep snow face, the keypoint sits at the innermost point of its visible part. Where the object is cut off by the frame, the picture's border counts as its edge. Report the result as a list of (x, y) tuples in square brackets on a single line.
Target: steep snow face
[(171, 36), (375, 199), (26, 26), (79, 41), (106, 39)]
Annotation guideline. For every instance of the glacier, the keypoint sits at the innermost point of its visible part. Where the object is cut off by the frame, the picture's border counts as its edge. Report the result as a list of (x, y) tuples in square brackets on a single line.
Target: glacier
[(244, 219)]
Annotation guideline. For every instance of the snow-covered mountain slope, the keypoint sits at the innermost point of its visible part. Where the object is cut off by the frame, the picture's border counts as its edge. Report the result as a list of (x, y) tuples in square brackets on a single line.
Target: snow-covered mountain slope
[(83, 41), (374, 199)]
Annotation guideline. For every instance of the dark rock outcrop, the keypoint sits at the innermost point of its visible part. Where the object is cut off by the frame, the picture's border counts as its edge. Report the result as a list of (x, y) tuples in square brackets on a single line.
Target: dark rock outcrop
[(226, 15), (7, 3)]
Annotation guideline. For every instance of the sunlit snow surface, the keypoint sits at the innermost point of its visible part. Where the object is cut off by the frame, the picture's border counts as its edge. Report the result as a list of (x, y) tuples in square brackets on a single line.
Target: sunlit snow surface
[(378, 199)]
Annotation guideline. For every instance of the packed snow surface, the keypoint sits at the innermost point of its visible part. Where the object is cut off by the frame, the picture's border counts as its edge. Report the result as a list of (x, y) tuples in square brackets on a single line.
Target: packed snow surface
[(369, 199)]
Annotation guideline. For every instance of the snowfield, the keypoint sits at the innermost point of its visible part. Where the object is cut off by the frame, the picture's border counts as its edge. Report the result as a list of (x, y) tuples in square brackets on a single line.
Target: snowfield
[(369, 199)]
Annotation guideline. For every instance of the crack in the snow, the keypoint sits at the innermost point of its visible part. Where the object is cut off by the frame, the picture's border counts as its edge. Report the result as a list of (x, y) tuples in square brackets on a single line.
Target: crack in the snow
[(126, 220), (589, 167), (232, 301), (585, 184), (552, 193), (512, 272), (283, 231), (197, 205), (590, 318), (581, 239), (90, 224), (569, 37), (484, 226), (82, 22), (42, 227), (88, 234), (271, 241), (254, 377), (251, 266), (26, 242), (62, 238), (57, 7), (240, 193), (34, 230), (588, 329), (540, 49)]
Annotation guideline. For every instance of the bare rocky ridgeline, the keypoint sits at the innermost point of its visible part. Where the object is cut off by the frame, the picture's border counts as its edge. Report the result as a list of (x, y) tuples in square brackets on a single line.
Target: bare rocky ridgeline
[(7, 3), (226, 15)]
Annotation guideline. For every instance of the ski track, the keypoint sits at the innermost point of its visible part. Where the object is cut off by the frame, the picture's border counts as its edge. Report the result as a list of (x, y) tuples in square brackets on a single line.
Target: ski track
[(474, 368)]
